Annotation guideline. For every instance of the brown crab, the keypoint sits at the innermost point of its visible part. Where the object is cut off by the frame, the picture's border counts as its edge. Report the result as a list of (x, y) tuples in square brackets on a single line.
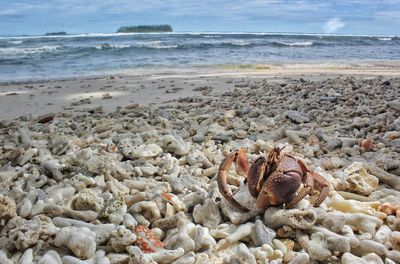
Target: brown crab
[(272, 180)]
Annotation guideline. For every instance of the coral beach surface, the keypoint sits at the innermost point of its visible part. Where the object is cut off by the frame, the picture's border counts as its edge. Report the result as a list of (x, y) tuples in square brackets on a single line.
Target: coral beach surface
[(122, 168)]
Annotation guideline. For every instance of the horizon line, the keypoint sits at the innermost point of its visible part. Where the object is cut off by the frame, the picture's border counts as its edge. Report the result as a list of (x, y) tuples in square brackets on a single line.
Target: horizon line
[(89, 34)]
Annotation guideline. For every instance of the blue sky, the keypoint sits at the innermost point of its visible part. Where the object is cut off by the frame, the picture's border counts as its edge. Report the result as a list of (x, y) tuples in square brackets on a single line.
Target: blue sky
[(83, 16)]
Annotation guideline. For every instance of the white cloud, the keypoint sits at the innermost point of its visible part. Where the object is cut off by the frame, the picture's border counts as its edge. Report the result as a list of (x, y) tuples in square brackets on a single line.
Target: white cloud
[(333, 25)]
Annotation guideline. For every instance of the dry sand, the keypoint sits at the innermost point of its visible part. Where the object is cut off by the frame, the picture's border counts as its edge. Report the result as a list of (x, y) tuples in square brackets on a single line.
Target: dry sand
[(156, 86)]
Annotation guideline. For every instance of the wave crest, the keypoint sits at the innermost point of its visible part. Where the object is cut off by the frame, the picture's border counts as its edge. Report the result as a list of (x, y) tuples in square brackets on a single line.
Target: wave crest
[(20, 51), (294, 44)]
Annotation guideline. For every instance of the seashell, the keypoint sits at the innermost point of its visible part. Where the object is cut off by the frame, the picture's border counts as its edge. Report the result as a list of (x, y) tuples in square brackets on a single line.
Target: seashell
[(360, 180), (81, 241), (176, 145), (275, 217), (147, 241)]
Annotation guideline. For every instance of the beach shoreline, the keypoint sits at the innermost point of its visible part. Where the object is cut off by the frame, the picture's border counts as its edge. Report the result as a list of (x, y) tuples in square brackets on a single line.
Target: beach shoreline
[(156, 86)]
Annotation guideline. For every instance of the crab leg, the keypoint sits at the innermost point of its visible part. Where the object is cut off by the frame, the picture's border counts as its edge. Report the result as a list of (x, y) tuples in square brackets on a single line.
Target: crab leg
[(255, 176), (322, 186), (307, 187), (322, 195), (238, 156)]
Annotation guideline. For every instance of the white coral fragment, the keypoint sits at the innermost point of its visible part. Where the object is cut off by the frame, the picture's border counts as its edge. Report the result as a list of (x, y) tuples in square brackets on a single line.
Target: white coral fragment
[(360, 181), (81, 241)]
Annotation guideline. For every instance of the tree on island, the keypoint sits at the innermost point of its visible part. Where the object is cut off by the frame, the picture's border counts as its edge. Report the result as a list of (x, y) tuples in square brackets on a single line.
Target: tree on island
[(145, 28)]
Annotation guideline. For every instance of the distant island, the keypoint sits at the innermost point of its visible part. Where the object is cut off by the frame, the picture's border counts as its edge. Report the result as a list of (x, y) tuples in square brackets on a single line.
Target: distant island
[(145, 29), (61, 33)]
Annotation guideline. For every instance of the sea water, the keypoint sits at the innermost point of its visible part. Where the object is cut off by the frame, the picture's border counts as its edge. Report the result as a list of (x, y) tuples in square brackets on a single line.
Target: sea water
[(53, 57)]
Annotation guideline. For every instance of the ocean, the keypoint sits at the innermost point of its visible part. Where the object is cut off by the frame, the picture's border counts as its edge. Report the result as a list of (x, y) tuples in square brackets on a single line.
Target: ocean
[(54, 57)]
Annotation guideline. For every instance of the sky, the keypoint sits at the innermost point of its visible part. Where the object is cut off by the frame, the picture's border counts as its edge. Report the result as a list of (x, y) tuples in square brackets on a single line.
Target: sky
[(35, 17)]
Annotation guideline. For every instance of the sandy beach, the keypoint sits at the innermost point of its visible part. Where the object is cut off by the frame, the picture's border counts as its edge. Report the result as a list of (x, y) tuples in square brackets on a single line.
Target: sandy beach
[(125, 169), (159, 85)]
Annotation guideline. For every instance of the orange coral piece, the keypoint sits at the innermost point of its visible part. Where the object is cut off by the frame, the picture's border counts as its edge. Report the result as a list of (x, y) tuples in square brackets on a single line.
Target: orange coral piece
[(367, 144), (167, 196), (146, 240), (390, 209)]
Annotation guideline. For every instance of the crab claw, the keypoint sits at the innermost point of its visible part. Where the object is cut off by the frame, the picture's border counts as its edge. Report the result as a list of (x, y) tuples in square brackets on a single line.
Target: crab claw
[(241, 163), (239, 157)]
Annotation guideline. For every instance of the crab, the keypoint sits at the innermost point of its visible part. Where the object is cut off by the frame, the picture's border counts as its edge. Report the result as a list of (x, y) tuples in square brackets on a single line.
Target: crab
[(273, 179)]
